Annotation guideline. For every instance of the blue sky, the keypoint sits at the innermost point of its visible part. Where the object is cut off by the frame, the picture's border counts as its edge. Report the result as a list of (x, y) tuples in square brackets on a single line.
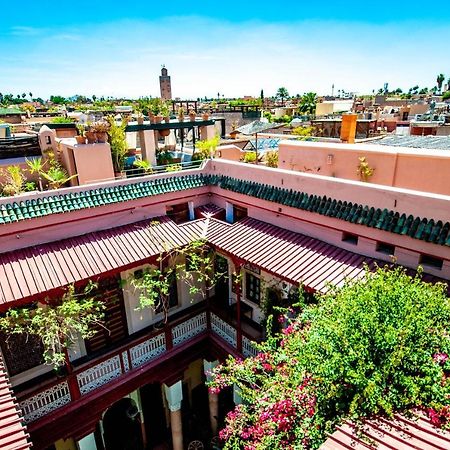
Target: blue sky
[(235, 48)]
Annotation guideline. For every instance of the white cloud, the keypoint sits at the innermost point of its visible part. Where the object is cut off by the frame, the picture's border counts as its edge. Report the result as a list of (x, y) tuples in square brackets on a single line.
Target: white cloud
[(206, 56)]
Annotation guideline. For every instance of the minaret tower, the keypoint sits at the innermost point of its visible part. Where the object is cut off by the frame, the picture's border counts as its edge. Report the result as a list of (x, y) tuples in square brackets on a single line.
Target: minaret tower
[(164, 84)]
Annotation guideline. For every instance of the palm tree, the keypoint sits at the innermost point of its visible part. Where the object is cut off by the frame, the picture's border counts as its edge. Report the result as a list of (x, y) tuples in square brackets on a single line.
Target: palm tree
[(31, 95), (282, 93), (308, 103), (439, 80)]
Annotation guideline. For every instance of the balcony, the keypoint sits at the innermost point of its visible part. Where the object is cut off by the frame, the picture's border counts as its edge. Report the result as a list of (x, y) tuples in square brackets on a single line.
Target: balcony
[(127, 360)]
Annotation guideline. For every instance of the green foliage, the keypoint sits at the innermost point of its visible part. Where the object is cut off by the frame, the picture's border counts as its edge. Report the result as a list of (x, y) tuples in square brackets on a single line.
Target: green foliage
[(308, 104), (241, 102), (192, 264), (57, 176), (439, 80), (250, 157), (268, 116), (57, 324), (144, 165), (205, 149), (62, 120), (163, 157), (363, 170), (118, 143), (375, 346), (272, 159), (303, 133), (284, 119), (156, 106), (446, 95), (14, 180), (174, 168), (51, 170), (29, 186), (58, 99), (282, 94)]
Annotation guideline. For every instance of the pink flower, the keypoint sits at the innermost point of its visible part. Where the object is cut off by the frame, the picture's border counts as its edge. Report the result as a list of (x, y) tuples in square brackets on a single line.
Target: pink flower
[(440, 358)]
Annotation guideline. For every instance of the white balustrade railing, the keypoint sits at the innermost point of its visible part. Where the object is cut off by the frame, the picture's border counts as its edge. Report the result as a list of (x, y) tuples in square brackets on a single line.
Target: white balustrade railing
[(45, 402), (222, 329), (248, 347), (99, 374), (102, 373), (147, 350), (187, 330)]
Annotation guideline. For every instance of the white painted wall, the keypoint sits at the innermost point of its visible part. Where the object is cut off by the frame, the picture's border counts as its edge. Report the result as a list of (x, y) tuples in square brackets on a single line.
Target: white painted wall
[(87, 443), (137, 319)]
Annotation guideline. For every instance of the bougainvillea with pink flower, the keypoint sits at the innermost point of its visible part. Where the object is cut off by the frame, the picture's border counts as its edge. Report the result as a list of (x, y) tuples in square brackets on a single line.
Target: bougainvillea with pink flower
[(372, 347)]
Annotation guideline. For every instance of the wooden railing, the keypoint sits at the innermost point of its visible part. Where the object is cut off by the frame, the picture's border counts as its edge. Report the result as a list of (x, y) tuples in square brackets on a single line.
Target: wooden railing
[(113, 365)]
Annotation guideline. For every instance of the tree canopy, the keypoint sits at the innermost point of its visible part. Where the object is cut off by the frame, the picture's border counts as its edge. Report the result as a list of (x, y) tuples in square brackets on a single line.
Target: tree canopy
[(282, 94), (376, 346), (308, 103)]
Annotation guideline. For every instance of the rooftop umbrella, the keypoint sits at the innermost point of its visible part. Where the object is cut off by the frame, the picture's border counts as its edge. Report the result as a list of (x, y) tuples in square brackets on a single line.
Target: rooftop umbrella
[(255, 127)]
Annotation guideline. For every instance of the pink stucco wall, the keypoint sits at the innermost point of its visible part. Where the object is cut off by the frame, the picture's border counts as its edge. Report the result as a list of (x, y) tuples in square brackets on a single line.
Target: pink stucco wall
[(329, 229), (91, 162), (416, 169)]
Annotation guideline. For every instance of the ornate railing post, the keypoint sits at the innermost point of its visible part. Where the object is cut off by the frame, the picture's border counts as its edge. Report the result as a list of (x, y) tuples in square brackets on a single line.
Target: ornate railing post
[(72, 381)]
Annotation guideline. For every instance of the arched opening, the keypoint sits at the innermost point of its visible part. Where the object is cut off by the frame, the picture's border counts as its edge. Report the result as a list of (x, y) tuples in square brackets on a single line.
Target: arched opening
[(122, 427)]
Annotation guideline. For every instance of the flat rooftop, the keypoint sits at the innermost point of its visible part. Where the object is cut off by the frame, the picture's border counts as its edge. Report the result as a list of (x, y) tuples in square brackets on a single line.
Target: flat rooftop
[(427, 142)]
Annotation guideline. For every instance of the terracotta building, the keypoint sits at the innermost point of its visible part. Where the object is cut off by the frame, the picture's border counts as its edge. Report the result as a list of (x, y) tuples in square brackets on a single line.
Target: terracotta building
[(135, 383)]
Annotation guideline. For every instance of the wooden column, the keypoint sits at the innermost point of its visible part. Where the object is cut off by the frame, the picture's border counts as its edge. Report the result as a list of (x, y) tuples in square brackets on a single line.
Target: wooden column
[(238, 268), (213, 398), (72, 381)]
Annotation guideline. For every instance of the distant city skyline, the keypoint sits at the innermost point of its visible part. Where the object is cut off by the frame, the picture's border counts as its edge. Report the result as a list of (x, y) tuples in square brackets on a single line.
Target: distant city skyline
[(208, 48)]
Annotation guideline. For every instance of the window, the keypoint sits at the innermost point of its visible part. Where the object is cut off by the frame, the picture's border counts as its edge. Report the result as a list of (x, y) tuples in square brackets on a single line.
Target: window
[(252, 288), (173, 295), (178, 213), (387, 249), (21, 352), (431, 261), (239, 213), (350, 238)]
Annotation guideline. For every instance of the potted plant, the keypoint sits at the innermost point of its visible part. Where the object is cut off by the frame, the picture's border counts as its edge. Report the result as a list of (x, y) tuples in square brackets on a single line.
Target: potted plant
[(91, 136), (205, 115), (80, 138), (181, 114), (364, 170), (118, 142), (192, 115), (100, 129), (165, 111)]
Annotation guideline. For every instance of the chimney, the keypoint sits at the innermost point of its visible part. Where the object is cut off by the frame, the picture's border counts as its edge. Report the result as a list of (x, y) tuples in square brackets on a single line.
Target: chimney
[(348, 128)]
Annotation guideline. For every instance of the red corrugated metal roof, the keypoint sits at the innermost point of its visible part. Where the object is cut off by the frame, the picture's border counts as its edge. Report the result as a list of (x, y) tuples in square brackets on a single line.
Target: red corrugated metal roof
[(35, 270), (398, 433), (13, 435), (294, 256)]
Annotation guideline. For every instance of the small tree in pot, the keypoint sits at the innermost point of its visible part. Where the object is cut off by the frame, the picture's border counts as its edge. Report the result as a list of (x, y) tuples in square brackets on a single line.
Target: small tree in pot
[(118, 143)]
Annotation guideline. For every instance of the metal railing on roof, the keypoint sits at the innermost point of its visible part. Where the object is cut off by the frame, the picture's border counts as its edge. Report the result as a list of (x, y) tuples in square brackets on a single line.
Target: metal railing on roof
[(133, 172)]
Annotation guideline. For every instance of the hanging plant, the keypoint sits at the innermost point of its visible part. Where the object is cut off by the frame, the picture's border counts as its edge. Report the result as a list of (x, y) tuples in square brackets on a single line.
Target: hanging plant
[(364, 170), (58, 324)]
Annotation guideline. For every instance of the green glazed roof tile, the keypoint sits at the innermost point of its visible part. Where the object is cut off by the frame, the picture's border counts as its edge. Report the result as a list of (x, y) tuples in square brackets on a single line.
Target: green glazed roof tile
[(387, 220)]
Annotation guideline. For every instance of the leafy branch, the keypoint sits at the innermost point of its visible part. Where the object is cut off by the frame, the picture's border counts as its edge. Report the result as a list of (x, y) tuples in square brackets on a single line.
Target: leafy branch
[(58, 324), (192, 264)]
